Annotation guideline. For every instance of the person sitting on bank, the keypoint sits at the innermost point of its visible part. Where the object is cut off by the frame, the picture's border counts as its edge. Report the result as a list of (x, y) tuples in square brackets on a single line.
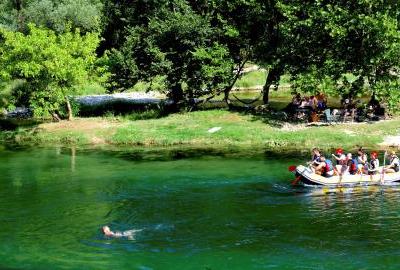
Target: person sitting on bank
[(321, 101), (394, 163), (325, 167), (313, 102), (373, 165), (295, 104), (296, 100)]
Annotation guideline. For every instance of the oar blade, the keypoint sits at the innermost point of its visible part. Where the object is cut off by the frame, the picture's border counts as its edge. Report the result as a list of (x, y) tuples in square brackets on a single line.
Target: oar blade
[(292, 168)]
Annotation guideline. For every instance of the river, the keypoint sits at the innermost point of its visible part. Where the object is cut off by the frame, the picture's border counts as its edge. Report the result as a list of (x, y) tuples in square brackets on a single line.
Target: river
[(192, 212)]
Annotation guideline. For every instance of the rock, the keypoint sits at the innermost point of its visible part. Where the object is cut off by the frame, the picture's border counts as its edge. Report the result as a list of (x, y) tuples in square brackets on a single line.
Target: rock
[(134, 98), (214, 129), (20, 113)]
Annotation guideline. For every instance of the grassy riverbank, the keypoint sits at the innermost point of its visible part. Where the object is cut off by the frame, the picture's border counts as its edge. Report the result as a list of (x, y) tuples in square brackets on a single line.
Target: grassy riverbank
[(191, 129)]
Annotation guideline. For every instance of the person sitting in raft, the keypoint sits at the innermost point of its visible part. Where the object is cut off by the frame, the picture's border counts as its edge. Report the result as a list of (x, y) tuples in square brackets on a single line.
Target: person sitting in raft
[(373, 165), (325, 167), (316, 157), (394, 163), (362, 160), (351, 164), (341, 160), (128, 234)]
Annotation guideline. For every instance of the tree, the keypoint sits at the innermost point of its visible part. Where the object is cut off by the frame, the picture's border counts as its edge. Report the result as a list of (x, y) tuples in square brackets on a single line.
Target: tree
[(120, 15), (179, 45), (58, 15), (323, 41), (51, 65), (316, 42)]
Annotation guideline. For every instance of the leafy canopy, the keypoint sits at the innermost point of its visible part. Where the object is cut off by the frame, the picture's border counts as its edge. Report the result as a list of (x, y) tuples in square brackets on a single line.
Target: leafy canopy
[(50, 65), (178, 44), (58, 15)]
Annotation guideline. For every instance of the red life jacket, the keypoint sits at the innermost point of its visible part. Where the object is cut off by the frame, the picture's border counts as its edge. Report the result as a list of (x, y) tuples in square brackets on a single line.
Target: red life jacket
[(353, 167), (328, 166)]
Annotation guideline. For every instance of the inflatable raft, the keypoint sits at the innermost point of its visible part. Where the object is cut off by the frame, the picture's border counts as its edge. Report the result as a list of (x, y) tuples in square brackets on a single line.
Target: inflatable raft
[(307, 177)]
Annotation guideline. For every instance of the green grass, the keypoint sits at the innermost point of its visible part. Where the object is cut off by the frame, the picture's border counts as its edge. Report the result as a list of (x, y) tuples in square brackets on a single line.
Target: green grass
[(257, 78), (252, 79), (191, 129), (245, 130), (30, 137)]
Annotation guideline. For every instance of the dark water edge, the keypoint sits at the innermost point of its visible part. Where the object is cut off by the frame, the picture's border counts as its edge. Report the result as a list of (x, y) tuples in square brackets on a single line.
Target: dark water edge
[(138, 153), (158, 153)]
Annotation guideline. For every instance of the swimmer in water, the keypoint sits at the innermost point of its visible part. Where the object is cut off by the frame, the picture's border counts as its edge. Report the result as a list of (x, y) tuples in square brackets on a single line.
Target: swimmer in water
[(130, 234)]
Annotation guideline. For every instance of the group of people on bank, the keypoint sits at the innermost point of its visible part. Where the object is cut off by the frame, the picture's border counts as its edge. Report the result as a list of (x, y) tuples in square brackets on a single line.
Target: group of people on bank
[(315, 103), (346, 164)]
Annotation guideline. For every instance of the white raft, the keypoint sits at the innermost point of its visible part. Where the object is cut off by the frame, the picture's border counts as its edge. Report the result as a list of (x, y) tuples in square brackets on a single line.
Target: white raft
[(309, 178)]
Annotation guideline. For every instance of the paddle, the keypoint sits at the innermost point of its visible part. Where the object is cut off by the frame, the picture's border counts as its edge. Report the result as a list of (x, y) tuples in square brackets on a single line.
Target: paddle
[(383, 169), (292, 168), (340, 180), (295, 181)]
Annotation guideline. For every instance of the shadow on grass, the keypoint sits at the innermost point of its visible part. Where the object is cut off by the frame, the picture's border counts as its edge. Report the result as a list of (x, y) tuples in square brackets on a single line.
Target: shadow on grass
[(271, 117), (12, 124)]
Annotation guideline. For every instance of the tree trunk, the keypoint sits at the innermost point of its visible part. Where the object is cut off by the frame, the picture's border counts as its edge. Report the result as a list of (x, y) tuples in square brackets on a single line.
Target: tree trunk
[(226, 97), (56, 118), (265, 90), (273, 77), (69, 109), (268, 82), (177, 96), (18, 5), (228, 89)]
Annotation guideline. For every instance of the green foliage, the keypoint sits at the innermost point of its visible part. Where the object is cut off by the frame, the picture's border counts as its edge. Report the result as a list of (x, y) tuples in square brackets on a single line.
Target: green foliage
[(51, 65), (189, 49), (58, 15), (92, 87), (388, 92), (351, 45), (156, 84), (178, 45)]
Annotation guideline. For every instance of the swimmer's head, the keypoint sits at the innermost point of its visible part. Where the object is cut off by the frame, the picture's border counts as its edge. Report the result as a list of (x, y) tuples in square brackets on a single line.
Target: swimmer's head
[(106, 230)]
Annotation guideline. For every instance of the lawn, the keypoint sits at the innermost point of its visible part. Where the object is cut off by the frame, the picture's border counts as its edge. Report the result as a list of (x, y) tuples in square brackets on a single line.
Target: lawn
[(191, 129)]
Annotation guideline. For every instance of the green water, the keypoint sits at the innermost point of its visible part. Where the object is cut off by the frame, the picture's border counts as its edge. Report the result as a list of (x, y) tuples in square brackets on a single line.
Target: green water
[(210, 212)]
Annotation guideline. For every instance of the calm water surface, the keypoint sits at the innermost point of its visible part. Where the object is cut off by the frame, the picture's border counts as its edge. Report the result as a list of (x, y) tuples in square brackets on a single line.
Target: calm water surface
[(207, 212)]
